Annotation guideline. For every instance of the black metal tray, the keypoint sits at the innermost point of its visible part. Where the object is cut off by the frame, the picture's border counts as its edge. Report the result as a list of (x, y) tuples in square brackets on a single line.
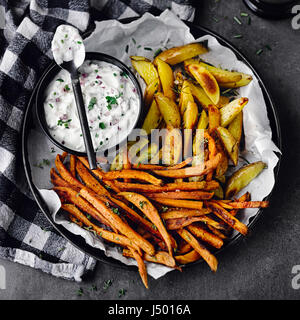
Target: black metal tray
[(78, 241)]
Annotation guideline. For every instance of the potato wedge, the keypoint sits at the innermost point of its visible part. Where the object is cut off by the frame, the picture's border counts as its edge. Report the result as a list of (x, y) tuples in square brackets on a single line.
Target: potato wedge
[(206, 80), (150, 91), (221, 75), (230, 144), (145, 69), (190, 117), (246, 79), (178, 54), (169, 110), (166, 77), (241, 178), (172, 147), (185, 96), (214, 117), (236, 127), (203, 121), (231, 110)]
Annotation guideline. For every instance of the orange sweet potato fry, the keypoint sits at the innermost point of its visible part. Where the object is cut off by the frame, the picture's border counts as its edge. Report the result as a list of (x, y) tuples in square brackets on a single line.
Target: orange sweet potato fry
[(206, 236), (204, 253), (141, 266), (73, 165), (174, 224), (132, 174), (180, 203), (56, 180), (224, 215), (116, 221), (189, 257), (199, 170), (184, 213), (151, 212), (107, 235), (248, 204), (193, 195)]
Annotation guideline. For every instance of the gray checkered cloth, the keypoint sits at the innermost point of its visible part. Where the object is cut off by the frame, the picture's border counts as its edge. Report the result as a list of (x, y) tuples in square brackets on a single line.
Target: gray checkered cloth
[(26, 31)]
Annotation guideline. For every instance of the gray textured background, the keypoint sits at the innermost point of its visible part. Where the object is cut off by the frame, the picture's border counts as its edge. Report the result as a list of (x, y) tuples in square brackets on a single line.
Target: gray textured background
[(258, 267)]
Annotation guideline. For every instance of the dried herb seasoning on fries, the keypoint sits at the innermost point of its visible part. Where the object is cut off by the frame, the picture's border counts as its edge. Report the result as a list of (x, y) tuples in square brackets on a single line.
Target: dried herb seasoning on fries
[(164, 204)]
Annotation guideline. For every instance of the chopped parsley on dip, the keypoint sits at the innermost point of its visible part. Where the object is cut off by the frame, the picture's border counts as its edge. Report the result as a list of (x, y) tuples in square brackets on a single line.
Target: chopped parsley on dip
[(111, 100)]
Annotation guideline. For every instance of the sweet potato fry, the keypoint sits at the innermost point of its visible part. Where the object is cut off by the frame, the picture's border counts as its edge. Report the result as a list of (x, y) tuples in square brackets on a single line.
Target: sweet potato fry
[(65, 174), (199, 170), (248, 204), (174, 224), (160, 257), (206, 236), (150, 211), (141, 266), (107, 235), (116, 221), (132, 174), (158, 167), (184, 213), (180, 203), (73, 165), (224, 215), (183, 247), (204, 253), (72, 196), (193, 195), (56, 180), (89, 180), (216, 232), (189, 257), (136, 218), (182, 186)]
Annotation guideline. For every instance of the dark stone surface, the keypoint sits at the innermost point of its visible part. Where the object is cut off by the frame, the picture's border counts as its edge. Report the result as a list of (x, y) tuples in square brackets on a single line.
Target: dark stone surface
[(259, 267)]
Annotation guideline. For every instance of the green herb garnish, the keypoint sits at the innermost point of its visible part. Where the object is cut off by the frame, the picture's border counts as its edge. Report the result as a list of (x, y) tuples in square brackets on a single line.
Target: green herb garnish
[(237, 20), (102, 125), (107, 284), (122, 292), (92, 103), (60, 80)]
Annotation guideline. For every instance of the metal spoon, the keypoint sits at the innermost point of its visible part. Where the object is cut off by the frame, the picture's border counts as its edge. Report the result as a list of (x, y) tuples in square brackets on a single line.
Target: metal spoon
[(71, 61)]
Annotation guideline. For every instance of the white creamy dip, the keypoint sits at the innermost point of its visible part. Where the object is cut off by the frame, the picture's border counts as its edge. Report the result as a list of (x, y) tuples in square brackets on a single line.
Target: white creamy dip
[(67, 45), (111, 100)]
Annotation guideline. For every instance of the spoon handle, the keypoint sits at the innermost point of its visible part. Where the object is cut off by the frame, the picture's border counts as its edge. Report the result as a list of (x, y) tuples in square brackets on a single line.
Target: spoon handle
[(84, 123)]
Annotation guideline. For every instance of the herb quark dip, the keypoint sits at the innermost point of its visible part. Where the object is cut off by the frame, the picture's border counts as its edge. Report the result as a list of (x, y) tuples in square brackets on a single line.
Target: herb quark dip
[(111, 101)]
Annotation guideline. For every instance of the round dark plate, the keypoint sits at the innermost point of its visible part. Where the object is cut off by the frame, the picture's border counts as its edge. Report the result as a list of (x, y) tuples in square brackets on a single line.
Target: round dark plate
[(78, 241)]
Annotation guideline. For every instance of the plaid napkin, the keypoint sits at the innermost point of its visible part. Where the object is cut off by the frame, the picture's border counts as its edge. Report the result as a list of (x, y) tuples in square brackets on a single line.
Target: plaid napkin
[(26, 31)]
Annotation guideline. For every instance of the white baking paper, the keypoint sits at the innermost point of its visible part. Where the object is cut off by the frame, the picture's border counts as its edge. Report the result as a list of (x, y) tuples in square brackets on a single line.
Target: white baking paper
[(136, 38)]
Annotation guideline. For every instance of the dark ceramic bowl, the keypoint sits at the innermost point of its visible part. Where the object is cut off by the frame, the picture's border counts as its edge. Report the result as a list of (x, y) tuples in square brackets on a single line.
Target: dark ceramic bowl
[(50, 75)]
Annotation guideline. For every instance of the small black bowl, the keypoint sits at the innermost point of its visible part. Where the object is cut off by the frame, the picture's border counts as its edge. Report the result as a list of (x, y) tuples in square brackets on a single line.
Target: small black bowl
[(52, 73)]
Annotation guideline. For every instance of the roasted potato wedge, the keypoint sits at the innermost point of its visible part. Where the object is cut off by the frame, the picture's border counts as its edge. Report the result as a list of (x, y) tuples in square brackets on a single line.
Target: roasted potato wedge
[(179, 54), (246, 79), (172, 148), (241, 178), (230, 144), (185, 96), (221, 75), (168, 109), (153, 118), (214, 118), (166, 78), (231, 110), (203, 120), (190, 116), (236, 127), (151, 89), (145, 69), (206, 80)]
